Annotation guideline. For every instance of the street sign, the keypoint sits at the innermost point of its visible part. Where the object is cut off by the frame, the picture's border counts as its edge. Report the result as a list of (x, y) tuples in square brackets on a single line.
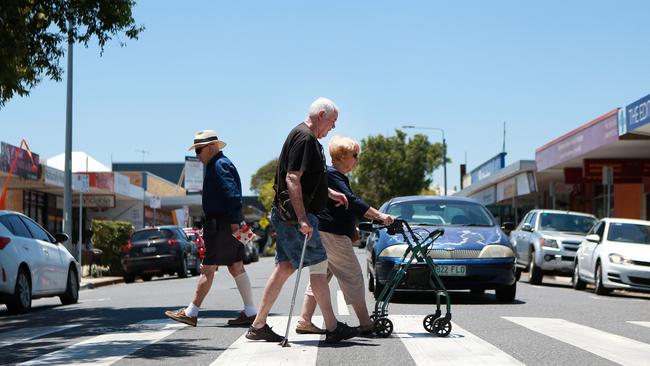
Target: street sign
[(154, 201), (81, 183)]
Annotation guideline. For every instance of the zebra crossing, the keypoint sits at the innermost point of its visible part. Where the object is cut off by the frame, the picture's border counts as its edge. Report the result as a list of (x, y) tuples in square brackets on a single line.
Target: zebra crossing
[(461, 347)]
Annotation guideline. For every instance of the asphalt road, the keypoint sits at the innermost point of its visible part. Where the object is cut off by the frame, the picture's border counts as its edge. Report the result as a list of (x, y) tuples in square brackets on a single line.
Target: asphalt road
[(123, 324)]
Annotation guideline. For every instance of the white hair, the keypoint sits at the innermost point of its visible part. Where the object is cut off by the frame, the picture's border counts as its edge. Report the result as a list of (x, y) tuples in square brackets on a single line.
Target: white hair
[(322, 104)]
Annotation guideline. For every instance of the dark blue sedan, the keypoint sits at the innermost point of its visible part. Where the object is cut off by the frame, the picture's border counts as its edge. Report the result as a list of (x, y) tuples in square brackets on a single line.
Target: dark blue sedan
[(473, 254)]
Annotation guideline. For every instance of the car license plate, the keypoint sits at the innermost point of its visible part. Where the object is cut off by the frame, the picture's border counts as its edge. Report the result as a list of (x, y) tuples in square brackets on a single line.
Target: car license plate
[(451, 270), (149, 250)]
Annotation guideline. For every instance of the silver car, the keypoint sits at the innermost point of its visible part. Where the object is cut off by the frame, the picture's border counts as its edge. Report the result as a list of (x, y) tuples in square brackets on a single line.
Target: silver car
[(546, 242)]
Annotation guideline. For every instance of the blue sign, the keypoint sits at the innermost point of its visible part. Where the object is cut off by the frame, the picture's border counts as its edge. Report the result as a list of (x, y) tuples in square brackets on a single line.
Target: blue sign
[(638, 113), (491, 166)]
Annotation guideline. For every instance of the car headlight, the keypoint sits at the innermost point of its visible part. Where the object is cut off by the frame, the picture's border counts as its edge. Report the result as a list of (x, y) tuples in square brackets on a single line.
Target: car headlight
[(394, 251), (619, 259), (549, 243), (496, 251)]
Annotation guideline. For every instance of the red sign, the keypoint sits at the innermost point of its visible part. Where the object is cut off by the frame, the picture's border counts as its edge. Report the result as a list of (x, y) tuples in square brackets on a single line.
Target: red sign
[(24, 167), (625, 170)]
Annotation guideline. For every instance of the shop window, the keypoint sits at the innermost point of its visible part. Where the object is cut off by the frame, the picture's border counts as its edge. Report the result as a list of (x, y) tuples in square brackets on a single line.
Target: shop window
[(34, 204), (600, 200)]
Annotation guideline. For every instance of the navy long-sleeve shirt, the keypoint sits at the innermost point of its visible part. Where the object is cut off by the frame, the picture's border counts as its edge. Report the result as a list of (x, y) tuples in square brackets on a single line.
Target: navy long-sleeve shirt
[(337, 219), (222, 194)]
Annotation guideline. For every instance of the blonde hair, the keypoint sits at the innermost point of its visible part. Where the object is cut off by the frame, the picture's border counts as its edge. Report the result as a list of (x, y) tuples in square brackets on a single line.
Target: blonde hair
[(341, 147)]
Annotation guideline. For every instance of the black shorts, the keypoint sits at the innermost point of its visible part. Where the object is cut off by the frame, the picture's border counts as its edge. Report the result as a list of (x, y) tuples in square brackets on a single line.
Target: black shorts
[(221, 248)]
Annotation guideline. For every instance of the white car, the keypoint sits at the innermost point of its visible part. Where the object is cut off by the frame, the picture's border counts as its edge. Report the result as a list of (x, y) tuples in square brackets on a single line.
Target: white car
[(34, 264), (614, 255)]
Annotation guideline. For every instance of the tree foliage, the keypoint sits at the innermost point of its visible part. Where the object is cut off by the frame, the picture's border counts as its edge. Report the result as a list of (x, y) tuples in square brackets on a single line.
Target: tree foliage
[(392, 166), (110, 236), (263, 175), (33, 34)]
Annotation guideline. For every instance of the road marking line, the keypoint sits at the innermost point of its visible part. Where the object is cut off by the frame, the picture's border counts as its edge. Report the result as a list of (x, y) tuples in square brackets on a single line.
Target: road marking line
[(26, 334), (643, 324), (341, 305), (618, 349), (459, 348), (108, 348), (303, 350)]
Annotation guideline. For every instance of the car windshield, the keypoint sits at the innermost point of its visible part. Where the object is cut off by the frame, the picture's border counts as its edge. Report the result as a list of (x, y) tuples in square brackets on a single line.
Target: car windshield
[(437, 212), (151, 234), (566, 222), (629, 233)]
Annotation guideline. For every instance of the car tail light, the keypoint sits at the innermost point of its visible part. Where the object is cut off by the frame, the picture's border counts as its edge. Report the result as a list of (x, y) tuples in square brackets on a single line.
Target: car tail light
[(4, 241), (172, 242), (126, 248)]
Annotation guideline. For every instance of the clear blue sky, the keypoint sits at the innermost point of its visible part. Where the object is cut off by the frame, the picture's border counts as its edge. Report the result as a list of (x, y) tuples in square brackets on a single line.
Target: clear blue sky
[(250, 69)]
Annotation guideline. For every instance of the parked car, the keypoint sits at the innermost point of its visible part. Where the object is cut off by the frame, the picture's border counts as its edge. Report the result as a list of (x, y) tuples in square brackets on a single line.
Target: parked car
[(546, 241), (34, 264), (196, 236), (472, 254), (159, 250), (614, 255)]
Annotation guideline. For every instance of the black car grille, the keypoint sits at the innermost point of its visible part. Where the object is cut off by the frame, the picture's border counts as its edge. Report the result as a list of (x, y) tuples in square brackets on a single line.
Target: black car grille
[(640, 263), (640, 280), (453, 254)]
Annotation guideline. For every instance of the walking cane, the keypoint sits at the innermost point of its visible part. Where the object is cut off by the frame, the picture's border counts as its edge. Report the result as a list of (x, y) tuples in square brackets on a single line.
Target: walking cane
[(285, 341)]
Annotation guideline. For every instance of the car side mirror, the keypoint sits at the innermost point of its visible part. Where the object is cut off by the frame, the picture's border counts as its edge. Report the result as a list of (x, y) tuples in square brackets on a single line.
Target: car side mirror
[(507, 226), (594, 238), (527, 227), (366, 226), (61, 237)]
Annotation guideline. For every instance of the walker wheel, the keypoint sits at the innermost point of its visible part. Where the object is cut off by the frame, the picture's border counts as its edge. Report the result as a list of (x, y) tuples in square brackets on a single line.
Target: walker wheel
[(441, 327), (428, 323), (373, 317), (383, 327)]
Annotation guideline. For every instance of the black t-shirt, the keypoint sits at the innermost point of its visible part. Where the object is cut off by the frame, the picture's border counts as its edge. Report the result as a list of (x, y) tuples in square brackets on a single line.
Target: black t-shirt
[(302, 152)]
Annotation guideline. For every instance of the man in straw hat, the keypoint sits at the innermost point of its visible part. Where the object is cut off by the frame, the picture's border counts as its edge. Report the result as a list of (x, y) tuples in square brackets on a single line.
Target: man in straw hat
[(301, 174), (222, 207)]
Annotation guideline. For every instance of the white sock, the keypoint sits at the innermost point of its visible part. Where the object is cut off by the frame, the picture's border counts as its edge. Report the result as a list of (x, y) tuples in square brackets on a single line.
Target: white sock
[(192, 310), (246, 292)]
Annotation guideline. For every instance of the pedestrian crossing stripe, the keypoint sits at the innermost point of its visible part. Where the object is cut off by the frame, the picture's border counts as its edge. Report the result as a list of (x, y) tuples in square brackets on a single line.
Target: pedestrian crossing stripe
[(618, 349), (108, 348), (25, 334), (461, 347)]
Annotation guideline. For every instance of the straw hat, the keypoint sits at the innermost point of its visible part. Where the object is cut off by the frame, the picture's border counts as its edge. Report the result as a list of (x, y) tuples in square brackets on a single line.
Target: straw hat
[(206, 137)]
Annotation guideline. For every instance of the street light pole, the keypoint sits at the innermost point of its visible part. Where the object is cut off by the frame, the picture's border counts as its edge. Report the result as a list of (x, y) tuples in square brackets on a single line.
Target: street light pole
[(444, 149), (67, 190)]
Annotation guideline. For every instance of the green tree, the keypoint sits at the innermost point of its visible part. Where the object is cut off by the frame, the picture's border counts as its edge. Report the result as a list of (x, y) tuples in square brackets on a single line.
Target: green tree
[(263, 175), (33, 34), (392, 166)]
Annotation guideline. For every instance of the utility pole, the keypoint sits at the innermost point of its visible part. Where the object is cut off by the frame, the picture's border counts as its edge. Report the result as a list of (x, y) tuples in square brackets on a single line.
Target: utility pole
[(67, 191)]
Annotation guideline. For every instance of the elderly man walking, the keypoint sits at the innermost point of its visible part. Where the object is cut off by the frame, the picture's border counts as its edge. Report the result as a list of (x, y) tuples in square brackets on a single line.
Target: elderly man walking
[(302, 178), (222, 207)]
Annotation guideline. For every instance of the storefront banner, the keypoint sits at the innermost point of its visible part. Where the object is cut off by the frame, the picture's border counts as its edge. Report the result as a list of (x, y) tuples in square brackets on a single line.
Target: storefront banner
[(488, 168), (90, 201), (625, 170), (53, 176), (121, 184), (638, 113), (193, 174), (486, 196), (599, 133), (24, 167)]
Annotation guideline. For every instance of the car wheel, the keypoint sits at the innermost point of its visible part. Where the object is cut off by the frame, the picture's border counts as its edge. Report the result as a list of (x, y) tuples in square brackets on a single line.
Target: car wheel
[(21, 301), (599, 288), (377, 288), (197, 267), (576, 282), (182, 271), (534, 271), (146, 278), (71, 294), (518, 273), (128, 278), (506, 293)]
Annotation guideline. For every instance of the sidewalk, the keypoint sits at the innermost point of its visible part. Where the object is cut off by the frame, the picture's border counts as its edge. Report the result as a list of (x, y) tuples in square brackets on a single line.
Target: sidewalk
[(93, 282)]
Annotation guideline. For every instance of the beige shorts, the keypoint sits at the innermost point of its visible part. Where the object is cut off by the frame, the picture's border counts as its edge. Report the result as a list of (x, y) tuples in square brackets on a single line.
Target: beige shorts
[(343, 263)]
